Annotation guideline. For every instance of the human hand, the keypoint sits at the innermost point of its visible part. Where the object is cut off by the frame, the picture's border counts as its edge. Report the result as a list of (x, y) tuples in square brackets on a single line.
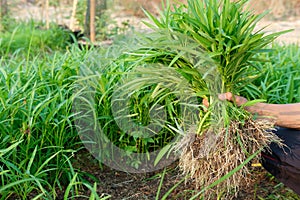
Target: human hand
[(233, 98), (229, 97)]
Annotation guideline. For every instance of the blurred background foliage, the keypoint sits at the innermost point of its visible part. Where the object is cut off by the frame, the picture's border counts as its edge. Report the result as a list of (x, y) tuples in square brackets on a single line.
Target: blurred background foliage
[(60, 11)]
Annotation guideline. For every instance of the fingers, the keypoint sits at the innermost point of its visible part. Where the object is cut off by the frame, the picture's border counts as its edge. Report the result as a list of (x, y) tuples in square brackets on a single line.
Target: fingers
[(225, 96), (205, 103), (233, 98), (229, 97)]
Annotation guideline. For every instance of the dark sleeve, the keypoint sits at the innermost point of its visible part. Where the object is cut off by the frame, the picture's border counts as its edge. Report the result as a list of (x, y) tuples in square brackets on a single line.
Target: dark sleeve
[(284, 162)]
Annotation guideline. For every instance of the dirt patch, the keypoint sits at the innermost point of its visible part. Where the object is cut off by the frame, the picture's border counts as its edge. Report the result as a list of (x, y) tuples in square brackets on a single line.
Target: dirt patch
[(22, 10), (121, 185)]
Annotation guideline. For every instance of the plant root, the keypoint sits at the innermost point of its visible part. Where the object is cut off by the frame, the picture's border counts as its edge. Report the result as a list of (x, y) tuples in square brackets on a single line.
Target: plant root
[(211, 156)]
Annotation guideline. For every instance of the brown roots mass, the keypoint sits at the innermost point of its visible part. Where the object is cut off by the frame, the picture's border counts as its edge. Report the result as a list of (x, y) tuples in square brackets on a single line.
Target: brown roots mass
[(211, 156)]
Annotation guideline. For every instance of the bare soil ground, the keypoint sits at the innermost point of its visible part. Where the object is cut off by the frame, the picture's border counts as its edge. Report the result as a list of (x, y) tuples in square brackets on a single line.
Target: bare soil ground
[(121, 185)]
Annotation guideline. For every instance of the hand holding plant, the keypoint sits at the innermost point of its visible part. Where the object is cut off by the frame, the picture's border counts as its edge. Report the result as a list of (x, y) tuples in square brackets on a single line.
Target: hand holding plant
[(238, 100), (227, 135)]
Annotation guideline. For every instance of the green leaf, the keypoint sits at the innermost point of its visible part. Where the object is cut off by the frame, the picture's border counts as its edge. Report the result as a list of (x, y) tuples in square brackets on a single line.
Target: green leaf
[(31, 160), (162, 153), (10, 148), (253, 102)]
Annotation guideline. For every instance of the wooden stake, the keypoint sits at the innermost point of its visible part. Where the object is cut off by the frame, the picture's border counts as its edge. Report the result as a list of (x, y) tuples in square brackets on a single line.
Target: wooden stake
[(92, 20), (73, 17), (47, 15)]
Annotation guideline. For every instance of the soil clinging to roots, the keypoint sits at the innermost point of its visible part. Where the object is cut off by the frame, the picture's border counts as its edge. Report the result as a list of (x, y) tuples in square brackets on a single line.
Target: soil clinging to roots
[(230, 148)]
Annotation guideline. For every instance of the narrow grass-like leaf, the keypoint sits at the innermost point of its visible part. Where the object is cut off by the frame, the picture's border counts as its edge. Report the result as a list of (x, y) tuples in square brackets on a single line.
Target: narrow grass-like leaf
[(167, 194), (10, 148), (31, 160), (160, 184)]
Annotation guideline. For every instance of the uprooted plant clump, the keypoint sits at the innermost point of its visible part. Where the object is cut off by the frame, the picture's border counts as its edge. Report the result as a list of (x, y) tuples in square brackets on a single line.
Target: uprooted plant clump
[(228, 151)]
